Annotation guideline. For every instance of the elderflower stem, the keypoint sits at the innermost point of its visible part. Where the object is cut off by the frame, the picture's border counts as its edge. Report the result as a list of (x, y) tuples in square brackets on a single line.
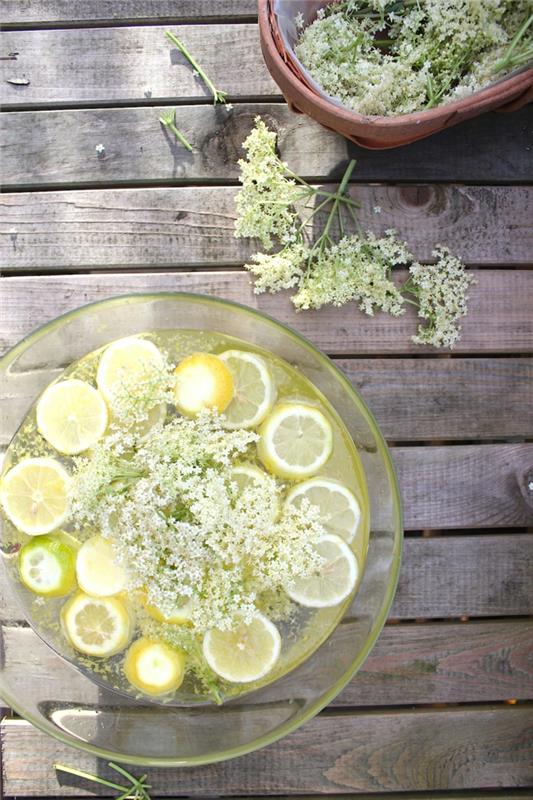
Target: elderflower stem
[(218, 95), (168, 121), (94, 778), (508, 60)]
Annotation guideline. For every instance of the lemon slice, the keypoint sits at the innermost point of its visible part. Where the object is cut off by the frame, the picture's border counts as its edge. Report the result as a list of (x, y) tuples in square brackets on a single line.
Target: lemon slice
[(131, 359), (46, 566), (296, 441), (96, 626), (336, 579), (97, 572), (180, 614), (154, 667), (202, 381), (34, 494), (72, 416), (245, 654), (340, 513), (254, 392)]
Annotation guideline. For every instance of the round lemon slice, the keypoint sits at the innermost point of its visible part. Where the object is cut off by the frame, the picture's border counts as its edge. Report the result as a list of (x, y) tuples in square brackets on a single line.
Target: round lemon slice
[(296, 441), (154, 667), (245, 654), (334, 582), (96, 626), (254, 392), (97, 571), (340, 512), (72, 416), (128, 360), (46, 566), (202, 381), (34, 495), (180, 614)]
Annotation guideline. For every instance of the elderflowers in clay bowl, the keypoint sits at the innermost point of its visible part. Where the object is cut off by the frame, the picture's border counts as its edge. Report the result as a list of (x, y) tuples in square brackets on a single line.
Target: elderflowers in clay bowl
[(388, 73)]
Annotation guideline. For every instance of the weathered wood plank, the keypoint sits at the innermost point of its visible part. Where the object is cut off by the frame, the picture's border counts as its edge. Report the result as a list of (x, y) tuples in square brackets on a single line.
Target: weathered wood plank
[(443, 577), (499, 318), (396, 751), (131, 64), (58, 148), (183, 225), (459, 398), (425, 663), (62, 12), (412, 399)]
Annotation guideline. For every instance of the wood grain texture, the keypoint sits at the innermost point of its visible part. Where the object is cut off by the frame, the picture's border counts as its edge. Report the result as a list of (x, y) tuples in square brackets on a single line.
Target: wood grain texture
[(54, 148), (425, 663), (460, 398), (136, 64), (412, 399), (39, 12), (499, 318), (444, 577), (146, 228), (395, 751)]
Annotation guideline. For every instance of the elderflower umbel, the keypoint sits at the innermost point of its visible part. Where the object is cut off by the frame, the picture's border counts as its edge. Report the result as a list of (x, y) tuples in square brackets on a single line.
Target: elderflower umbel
[(441, 290), (265, 202), (277, 271), (181, 527), (357, 268)]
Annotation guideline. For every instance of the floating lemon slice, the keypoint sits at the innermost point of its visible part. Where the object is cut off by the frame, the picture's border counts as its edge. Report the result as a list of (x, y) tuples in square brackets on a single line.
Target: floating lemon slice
[(127, 360), (96, 626), (296, 441), (334, 582), (180, 614), (34, 495), (254, 393), (97, 572), (245, 654), (340, 513), (154, 667), (72, 416), (47, 566), (202, 381)]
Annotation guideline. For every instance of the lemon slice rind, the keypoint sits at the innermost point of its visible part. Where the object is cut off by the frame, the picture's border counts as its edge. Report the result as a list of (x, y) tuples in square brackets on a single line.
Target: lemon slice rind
[(337, 578), (340, 512), (97, 573), (230, 654), (154, 667), (248, 370), (33, 488), (96, 626), (72, 416), (274, 453)]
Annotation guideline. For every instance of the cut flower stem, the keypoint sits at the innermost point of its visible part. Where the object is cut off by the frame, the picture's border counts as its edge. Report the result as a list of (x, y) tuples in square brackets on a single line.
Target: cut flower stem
[(218, 95)]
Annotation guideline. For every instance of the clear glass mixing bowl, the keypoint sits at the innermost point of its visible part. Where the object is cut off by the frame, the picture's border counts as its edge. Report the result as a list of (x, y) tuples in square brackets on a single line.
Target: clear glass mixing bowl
[(62, 701)]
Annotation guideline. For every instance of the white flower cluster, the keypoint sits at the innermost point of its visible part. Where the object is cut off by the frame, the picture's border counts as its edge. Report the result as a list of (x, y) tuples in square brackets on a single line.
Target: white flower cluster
[(442, 293), (277, 271), (357, 268), (181, 527), (419, 55), (265, 204)]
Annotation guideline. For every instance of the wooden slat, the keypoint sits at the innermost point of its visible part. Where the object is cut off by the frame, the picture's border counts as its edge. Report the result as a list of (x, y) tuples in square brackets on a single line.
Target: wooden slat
[(460, 398), (183, 225), (131, 64), (412, 399), (52, 148), (499, 318), (445, 577), (395, 751), (425, 663), (40, 12)]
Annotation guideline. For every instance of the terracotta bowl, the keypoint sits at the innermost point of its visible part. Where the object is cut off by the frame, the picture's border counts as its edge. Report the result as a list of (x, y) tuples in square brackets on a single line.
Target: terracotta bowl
[(378, 133)]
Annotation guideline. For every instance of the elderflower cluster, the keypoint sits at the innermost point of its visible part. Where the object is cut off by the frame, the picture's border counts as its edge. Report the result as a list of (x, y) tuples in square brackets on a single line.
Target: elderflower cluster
[(266, 199), (441, 290), (277, 271), (419, 55), (135, 396), (182, 528), (357, 268)]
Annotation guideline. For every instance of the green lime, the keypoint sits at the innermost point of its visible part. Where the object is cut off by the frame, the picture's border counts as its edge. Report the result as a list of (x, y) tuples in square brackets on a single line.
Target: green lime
[(47, 566)]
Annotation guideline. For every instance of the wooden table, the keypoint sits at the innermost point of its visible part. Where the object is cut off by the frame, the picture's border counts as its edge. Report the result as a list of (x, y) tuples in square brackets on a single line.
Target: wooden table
[(444, 701)]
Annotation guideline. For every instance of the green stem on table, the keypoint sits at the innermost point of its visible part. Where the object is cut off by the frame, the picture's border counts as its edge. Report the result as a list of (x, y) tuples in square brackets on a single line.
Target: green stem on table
[(508, 59), (218, 95), (313, 190), (94, 778), (168, 120)]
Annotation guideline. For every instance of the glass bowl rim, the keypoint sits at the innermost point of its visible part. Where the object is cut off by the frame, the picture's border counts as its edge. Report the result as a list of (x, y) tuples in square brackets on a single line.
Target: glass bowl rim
[(327, 697)]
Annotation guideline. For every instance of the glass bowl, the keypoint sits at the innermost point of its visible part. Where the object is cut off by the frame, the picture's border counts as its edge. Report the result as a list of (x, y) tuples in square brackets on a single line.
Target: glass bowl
[(62, 701)]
